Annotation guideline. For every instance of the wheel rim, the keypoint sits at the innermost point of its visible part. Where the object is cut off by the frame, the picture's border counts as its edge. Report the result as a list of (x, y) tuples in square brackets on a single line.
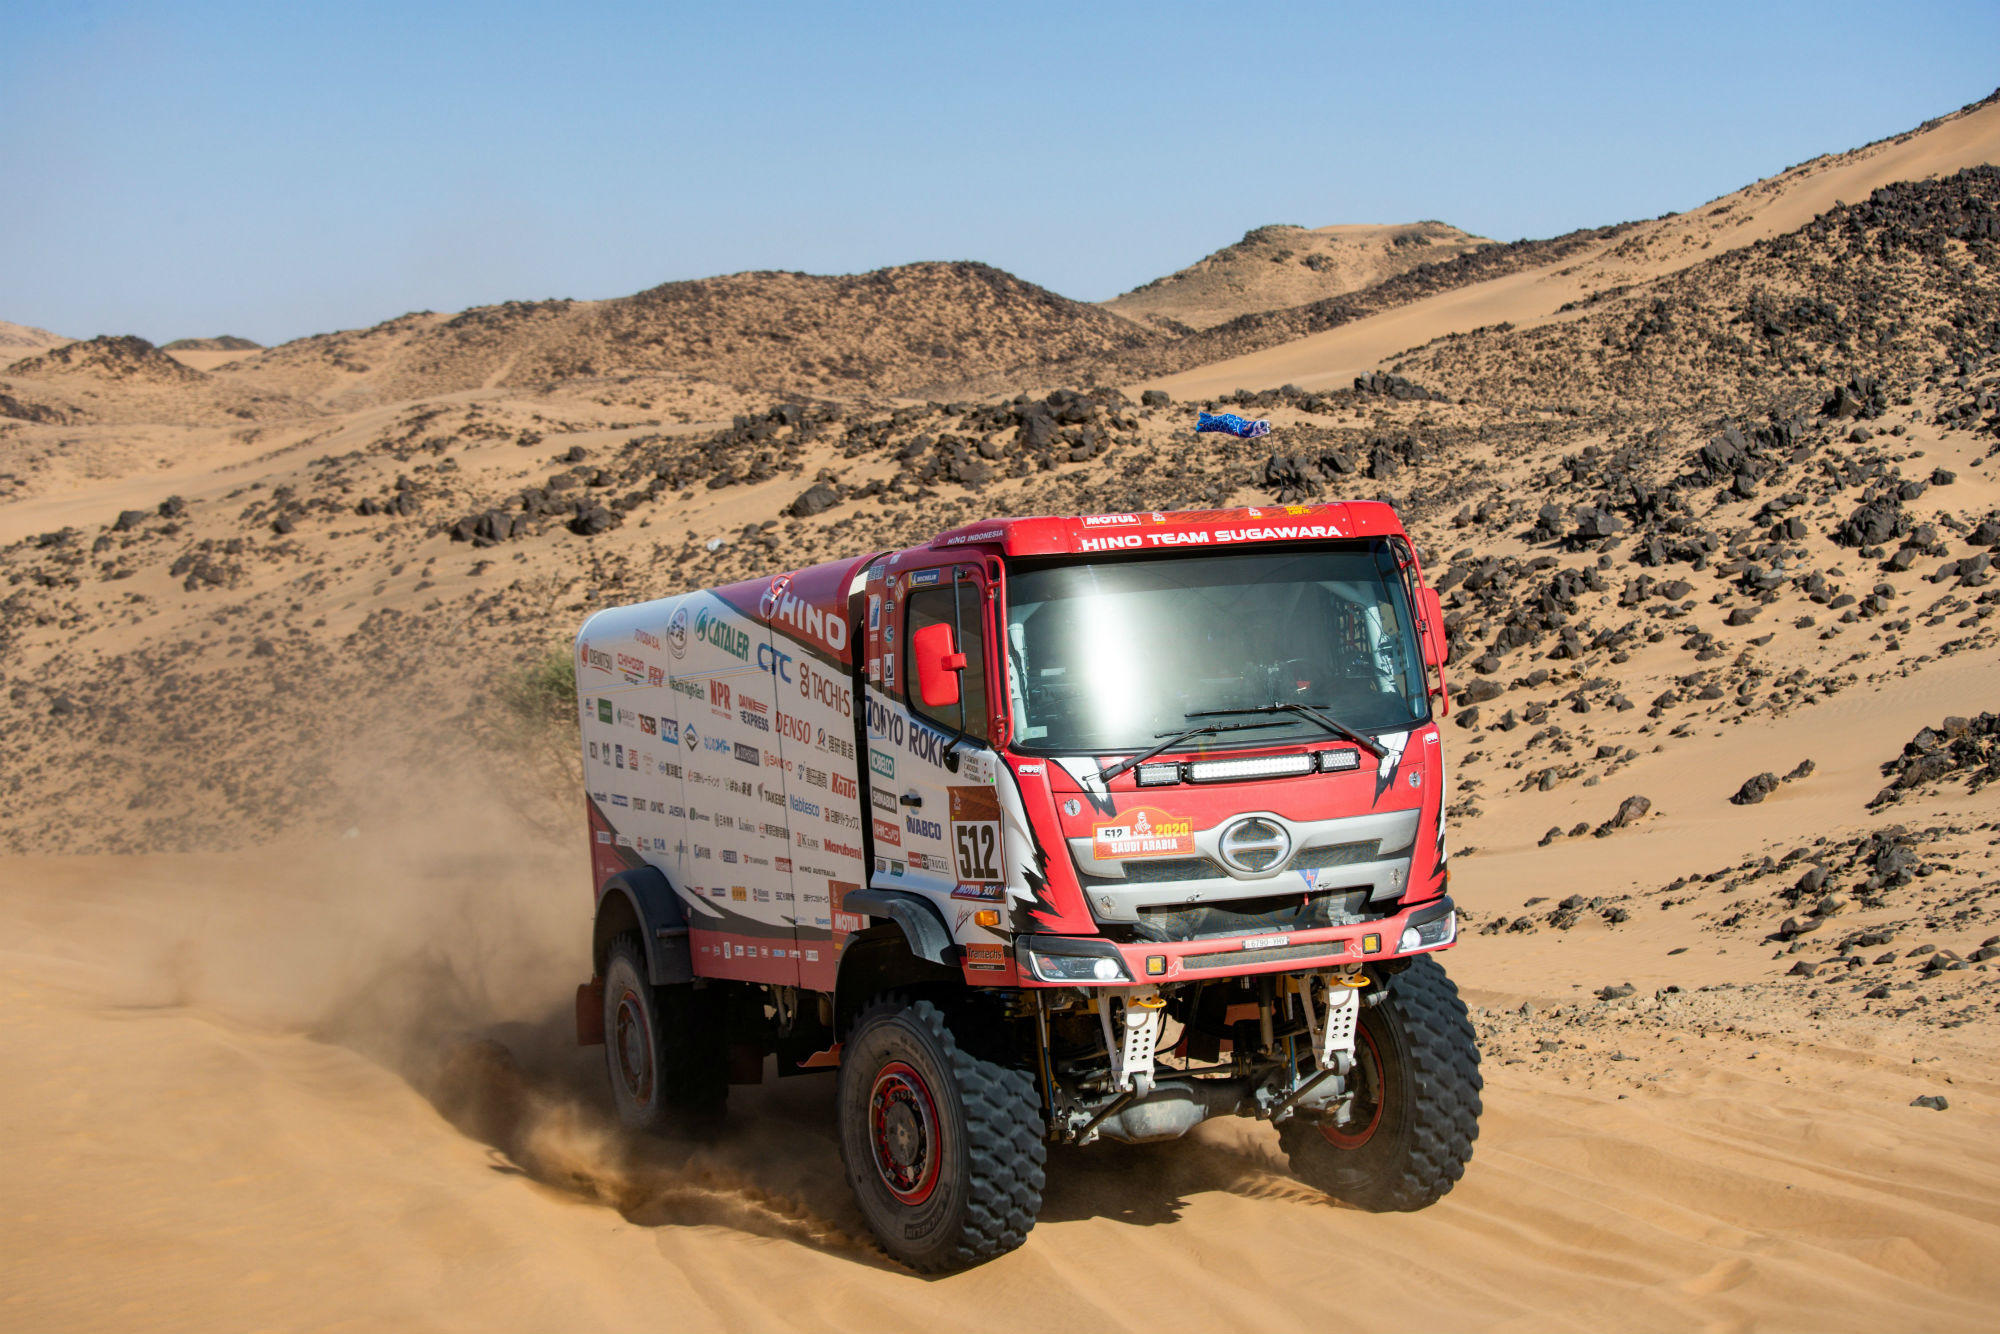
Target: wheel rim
[(632, 1047), (1364, 1117), (903, 1132)]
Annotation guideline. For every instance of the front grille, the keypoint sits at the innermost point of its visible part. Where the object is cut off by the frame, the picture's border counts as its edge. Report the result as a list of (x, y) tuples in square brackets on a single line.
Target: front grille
[(1196, 963), (1261, 916), (1337, 854), (1173, 870)]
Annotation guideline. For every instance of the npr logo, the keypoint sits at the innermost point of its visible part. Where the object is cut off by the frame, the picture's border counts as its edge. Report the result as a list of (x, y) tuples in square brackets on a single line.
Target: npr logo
[(718, 694)]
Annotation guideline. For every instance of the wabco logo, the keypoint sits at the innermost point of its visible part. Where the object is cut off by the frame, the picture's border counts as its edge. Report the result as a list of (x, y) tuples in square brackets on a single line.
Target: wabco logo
[(924, 828)]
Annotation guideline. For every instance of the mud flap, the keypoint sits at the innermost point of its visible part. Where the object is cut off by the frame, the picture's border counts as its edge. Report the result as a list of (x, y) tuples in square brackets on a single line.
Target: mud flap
[(590, 1013)]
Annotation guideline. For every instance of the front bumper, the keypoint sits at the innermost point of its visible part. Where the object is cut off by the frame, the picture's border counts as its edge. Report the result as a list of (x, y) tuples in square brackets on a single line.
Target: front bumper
[(1070, 961)]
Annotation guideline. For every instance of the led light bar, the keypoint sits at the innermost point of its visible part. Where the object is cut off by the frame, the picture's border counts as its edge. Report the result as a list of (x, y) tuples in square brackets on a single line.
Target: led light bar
[(1153, 775), (1333, 761), (1270, 766)]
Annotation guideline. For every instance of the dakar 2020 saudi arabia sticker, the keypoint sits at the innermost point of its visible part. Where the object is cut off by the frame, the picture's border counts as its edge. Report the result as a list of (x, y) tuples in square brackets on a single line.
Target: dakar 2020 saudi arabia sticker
[(1143, 832)]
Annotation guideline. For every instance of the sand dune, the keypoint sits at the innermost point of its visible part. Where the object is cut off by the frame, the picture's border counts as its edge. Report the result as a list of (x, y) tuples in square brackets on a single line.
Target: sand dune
[(1649, 250)]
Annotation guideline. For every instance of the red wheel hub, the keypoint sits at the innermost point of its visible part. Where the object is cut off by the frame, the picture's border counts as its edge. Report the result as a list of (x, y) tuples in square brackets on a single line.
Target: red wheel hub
[(903, 1132), (1364, 1115), (632, 1042)]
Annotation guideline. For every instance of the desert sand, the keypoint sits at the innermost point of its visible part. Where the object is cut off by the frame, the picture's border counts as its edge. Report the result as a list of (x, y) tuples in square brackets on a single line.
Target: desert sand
[(293, 879)]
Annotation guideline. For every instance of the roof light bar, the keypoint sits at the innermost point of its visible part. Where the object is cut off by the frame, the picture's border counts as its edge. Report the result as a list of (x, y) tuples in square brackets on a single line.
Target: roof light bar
[(1269, 766)]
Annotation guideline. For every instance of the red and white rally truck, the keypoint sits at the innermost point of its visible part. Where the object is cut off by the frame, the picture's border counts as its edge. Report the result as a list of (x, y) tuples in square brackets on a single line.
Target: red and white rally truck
[(1046, 830)]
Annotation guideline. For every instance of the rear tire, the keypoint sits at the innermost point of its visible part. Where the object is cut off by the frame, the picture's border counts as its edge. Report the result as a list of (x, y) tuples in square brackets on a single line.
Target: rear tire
[(1416, 1108), (944, 1150), (664, 1047)]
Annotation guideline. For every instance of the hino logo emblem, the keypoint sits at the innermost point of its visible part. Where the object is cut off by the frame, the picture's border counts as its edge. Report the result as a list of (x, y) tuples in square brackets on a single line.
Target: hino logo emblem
[(1254, 845)]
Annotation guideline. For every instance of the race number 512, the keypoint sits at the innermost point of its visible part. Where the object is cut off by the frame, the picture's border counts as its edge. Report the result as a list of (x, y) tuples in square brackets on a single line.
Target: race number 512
[(975, 835)]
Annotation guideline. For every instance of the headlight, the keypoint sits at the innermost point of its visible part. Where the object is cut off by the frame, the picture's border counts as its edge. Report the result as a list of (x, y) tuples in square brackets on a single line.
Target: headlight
[(1079, 965), (1429, 935)]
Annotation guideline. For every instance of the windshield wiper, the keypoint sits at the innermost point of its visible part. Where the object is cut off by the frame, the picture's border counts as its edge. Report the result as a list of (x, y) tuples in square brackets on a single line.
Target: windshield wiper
[(1106, 775), (1311, 711)]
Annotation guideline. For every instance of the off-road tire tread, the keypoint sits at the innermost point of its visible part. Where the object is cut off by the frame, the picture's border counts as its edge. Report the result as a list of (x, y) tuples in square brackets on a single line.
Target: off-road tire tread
[(689, 1068), (1005, 1151), (1444, 1117)]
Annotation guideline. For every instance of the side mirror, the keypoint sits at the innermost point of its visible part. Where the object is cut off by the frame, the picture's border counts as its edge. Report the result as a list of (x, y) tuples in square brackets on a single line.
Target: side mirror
[(938, 664), (1437, 646)]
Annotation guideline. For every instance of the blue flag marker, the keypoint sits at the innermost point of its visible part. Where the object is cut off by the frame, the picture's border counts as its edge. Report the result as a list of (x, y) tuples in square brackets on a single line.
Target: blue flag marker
[(1230, 424)]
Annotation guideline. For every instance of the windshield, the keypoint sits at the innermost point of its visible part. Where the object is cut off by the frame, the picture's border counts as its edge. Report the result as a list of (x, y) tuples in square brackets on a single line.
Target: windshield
[(1115, 656)]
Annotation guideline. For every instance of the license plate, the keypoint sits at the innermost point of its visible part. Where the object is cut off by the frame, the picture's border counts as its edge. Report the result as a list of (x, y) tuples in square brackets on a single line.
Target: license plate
[(1265, 942)]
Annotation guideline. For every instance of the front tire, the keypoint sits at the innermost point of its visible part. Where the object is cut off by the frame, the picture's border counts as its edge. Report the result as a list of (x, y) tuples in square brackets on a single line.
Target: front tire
[(664, 1047), (944, 1150), (1416, 1106)]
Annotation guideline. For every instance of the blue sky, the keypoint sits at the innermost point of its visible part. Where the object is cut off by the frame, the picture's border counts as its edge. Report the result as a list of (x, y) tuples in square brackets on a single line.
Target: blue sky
[(272, 170)]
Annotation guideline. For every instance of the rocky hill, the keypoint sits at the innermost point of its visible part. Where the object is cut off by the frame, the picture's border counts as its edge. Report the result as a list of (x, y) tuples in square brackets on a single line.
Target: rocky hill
[(897, 330), (223, 343), (1278, 266)]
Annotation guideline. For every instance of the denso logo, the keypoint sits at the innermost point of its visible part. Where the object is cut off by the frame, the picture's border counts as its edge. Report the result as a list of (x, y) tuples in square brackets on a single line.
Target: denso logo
[(594, 658), (804, 807), (924, 828)]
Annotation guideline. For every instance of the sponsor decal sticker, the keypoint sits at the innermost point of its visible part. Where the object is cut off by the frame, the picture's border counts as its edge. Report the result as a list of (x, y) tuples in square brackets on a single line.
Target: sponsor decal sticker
[(1145, 831), (887, 832), (975, 837), (986, 958), (921, 578), (604, 712)]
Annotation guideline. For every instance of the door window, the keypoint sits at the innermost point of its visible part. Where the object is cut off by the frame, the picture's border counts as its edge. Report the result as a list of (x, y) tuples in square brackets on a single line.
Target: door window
[(960, 606)]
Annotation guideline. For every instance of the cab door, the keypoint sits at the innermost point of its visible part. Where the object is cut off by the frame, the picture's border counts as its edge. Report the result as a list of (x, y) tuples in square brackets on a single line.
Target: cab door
[(934, 811)]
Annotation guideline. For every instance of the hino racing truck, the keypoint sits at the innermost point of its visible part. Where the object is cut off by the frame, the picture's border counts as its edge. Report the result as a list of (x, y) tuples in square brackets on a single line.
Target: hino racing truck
[(1049, 830)]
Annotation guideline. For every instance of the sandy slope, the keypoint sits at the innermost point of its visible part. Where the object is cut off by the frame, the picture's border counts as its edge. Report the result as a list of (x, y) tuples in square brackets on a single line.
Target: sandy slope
[(214, 1119), (1768, 208)]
